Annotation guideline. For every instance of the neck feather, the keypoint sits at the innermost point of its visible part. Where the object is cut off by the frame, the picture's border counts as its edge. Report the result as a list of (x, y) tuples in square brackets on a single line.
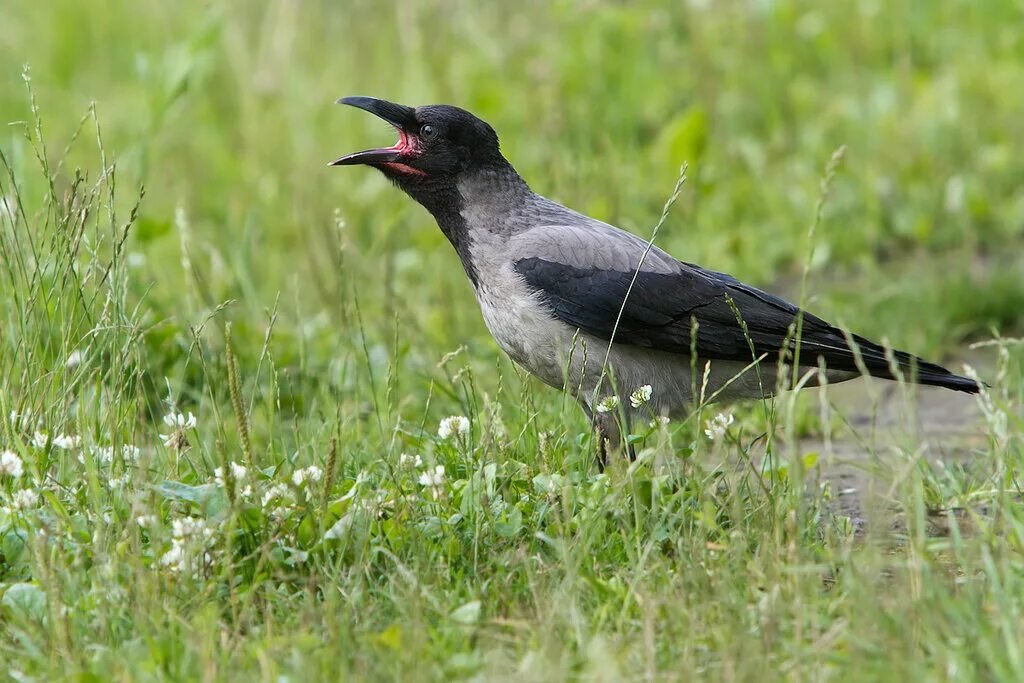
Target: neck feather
[(494, 191)]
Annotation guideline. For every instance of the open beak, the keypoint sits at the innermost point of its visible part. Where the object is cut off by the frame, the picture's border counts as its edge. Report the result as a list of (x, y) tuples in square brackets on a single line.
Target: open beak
[(401, 117)]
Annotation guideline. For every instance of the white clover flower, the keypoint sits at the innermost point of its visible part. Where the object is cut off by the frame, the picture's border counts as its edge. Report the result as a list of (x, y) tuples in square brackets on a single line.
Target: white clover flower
[(40, 439), (190, 527), (189, 537), (311, 474), (607, 404), (406, 460), (103, 455), (660, 421), (175, 557), (180, 421), (238, 472), (146, 521), (25, 499), (66, 441), (455, 424), (10, 464), (716, 426), (641, 396), (433, 478), (118, 482), (276, 492), (74, 358)]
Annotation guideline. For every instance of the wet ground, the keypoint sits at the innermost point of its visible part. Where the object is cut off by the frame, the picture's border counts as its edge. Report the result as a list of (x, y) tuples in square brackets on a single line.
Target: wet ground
[(886, 439)]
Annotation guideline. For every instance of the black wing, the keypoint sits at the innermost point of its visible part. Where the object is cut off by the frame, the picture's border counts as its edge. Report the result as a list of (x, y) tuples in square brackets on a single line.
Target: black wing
[(665, 299)]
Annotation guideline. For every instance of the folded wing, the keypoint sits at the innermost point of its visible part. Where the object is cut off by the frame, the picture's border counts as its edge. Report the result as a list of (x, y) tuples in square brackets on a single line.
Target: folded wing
[(583, 272)]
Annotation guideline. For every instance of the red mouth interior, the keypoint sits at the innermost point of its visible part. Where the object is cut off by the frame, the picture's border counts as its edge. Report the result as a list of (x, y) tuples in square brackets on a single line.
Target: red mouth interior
[(405, 144)]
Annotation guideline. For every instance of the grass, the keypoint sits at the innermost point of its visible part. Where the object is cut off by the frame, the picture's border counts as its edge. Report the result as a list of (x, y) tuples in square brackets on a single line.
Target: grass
[(310, 317)]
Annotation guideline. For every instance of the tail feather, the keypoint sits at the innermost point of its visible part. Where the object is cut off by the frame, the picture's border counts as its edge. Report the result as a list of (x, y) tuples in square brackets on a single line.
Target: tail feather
[(912, 368), (948, 380)]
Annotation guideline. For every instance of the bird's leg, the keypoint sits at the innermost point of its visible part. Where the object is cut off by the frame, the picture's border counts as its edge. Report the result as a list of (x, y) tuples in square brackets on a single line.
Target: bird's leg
[(610, 431), (607, 437)]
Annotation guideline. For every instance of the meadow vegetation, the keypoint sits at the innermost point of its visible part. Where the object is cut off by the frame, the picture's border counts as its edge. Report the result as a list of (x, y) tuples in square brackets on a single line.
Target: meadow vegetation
[(252, 425)]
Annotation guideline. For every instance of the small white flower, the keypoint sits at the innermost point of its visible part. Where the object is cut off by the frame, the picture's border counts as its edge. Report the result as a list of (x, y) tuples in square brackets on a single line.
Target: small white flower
[(190, 527), (641, 396), (25, 499), (455, 424), (608, 404), (717, 426), (406, 460), (276, 492), (74, 358), (103, 455), (146, 521), (190, 540), (433, 478), (40, 439), (10, 464), (660, 421), (174, 558), (66, 441), (311, 474), (118, 482), (169, 439), (180, 421), (131, 452), (238, 472)]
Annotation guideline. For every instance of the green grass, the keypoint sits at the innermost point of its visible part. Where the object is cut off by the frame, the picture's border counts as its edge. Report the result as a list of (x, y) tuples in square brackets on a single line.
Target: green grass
[(353, 334)]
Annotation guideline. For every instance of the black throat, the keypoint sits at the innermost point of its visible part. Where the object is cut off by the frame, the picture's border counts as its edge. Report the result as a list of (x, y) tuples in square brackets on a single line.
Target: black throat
[(441, 196)]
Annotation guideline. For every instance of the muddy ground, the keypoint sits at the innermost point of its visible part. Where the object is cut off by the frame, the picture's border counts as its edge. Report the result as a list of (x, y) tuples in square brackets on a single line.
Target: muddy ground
[(885, 439)]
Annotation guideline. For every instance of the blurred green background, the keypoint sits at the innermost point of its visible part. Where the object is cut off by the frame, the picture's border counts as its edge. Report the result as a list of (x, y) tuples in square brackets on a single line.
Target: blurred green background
[(225, 112), (343, 296)]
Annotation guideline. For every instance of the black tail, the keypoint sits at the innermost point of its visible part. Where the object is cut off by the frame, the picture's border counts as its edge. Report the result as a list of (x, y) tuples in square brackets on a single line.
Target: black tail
[(911, 367), (947, 379)]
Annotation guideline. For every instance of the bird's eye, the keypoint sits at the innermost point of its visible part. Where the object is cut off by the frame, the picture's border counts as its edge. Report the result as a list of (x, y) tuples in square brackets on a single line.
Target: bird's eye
[(428, 132)]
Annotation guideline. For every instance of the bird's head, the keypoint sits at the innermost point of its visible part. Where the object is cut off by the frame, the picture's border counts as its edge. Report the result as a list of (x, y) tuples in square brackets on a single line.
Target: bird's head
[(435, 143)]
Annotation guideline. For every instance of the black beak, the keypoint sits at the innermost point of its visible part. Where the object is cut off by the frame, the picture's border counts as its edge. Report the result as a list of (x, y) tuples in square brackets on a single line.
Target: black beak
[(398, 115)]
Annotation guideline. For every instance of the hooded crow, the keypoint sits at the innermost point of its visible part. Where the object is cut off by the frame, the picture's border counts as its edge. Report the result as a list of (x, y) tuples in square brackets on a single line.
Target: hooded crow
[(552, 286)]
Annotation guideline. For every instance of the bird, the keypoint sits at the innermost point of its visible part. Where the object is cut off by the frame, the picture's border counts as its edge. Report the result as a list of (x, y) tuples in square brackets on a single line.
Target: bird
[(600, 312)]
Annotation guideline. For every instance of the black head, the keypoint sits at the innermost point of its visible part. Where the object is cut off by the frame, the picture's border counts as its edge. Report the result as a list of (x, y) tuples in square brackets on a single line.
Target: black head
[(435, 142)]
